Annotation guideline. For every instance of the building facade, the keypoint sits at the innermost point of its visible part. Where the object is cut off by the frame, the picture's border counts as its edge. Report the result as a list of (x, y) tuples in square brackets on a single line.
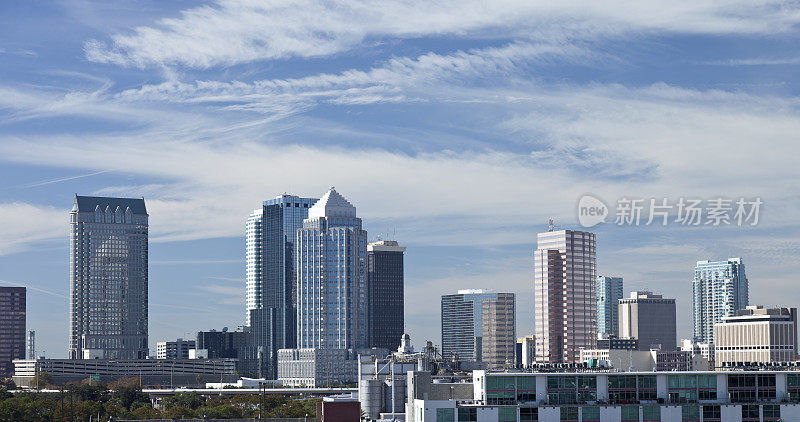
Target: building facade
[(565, 299), (719, 289), (757, 334), (526, 351), (386, 294), (108, 278), (332, 277), (479, 326), (317, 367), (609, 292), (178, 349), (607, 397), (650, 319), (12, 327), (167, 372)]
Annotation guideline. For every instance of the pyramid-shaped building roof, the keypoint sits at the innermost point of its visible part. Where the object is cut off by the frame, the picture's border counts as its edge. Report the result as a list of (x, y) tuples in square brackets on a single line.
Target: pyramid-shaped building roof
[(332, 204)]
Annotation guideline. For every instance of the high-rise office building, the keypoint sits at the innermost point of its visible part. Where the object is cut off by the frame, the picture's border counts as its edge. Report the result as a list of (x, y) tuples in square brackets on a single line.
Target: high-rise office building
[(108, 278), (719, 289), (757, 334), (332, 276), (650, 319), (270, 235), (479, 326), (12, 327), (385, 294), (609, 292), (565, 299)]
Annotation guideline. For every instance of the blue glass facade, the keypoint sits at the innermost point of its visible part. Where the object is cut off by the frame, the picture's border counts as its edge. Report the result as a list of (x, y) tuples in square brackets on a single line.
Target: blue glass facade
[(331, 277), (609, 292)]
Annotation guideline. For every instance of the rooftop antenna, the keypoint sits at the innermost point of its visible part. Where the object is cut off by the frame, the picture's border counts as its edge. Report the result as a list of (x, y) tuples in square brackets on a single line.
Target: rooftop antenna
[(551, 226)]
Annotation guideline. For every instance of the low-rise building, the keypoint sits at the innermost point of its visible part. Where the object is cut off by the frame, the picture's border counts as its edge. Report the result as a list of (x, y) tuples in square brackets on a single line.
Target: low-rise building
[(613, 342), (317, 367), (166, 372), (646, 360), (705, 350), (757, 334), (606, 396), (178, 349)]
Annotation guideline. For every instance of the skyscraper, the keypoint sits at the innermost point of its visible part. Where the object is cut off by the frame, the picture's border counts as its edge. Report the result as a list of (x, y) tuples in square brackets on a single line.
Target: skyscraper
[(609, 292), (719, 290), (385, 297), (12, 327), (479, 325), (649, 318), (564, 287), (108, 278), (332, 276), (270, 235)]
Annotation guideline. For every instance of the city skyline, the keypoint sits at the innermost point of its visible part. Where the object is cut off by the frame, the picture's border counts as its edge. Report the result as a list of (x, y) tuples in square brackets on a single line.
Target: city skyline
[(462, 128)]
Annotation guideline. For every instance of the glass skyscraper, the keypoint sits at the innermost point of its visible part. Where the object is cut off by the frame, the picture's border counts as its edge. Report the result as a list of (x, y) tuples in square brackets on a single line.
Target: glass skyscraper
[(609, 292), (385, 294), (108, 278), (719, 289), (565, 304), (332, 277), (270, 235)]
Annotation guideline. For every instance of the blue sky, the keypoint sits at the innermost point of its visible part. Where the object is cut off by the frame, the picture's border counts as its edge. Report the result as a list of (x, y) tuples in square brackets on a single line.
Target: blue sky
[(461, 125)]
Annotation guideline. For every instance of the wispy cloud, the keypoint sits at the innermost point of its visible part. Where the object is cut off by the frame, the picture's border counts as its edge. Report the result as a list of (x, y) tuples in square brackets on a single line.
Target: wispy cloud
[(236, 31)]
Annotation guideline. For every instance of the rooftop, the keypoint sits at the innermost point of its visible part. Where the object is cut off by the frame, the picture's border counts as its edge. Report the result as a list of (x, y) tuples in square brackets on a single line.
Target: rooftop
[(332, 204), (90, 203)]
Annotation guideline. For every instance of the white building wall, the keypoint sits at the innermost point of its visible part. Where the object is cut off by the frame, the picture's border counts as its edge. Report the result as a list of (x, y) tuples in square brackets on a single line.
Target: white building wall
[(731, 413)]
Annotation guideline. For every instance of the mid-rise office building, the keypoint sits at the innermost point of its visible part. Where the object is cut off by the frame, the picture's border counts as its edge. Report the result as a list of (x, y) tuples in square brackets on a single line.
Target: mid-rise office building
[(12, 327), (705, 350), (757, 334), (332, 276), (178, 349), (386, 296), (609, 292), (479, 326), (650, 319), (108, 278), (616, 343), (565, 299), (719, 289), (31, 344)]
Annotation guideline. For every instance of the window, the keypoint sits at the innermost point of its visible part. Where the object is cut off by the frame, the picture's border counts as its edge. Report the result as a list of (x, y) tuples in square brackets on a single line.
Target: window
[(569, 414), (445, 415), (528, 414), (467, 414), (749, 412), (591, 414), (690, 413), (630, 414), (712, 413), (507, 414), (772, 412), (651, 413), (526, 389)]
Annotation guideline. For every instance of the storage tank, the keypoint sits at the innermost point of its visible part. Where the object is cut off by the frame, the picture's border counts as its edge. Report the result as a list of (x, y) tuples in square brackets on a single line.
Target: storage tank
[(370, 394), (395, 395)]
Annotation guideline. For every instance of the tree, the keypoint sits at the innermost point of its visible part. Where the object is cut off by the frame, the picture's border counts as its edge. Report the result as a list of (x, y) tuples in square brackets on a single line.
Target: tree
[(42, 379)]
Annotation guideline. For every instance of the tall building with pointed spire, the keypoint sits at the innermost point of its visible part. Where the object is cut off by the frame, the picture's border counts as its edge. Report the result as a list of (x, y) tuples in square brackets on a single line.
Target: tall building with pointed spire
[(565, 304), (108, 278), (332, 277)]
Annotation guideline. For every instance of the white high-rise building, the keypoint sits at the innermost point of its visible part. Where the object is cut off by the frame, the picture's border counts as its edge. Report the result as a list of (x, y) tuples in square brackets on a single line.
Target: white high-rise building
[(719, 289), (757, 334), (332, 277), (565, 299)]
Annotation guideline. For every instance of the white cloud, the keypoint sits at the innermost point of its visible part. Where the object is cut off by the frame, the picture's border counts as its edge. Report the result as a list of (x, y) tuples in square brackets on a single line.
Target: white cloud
[(234, 31), (25, 224)]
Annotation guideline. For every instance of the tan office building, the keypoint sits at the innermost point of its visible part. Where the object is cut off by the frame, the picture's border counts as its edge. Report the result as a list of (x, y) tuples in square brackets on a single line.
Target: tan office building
[(565, 298), (757, 334)]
